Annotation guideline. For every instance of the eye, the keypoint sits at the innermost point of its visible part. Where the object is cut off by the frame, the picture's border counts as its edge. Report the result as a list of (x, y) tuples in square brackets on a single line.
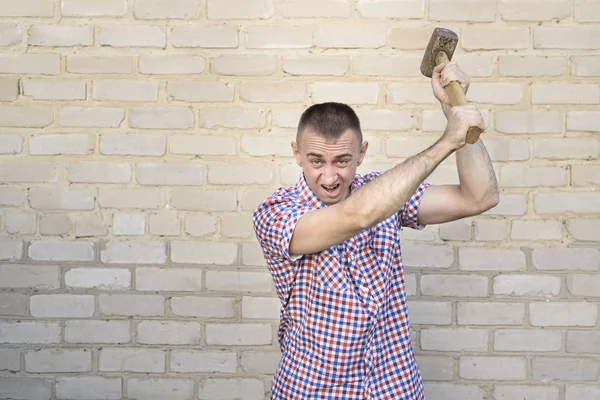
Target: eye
[(315, 162), (343, 162)]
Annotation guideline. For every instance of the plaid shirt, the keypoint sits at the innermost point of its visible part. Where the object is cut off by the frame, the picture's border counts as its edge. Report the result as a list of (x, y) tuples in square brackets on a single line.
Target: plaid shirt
[(344, 329)]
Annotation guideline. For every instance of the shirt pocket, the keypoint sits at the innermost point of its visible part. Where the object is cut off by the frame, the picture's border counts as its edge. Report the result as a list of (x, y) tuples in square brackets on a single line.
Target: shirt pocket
[(330, 271)]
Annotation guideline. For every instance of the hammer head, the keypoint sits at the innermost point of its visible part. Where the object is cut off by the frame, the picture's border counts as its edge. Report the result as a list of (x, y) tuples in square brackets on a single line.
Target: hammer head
[(441, 40)]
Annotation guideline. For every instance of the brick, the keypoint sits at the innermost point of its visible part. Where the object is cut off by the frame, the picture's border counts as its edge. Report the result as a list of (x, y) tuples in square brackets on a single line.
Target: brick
[(95, 278), (585, 66), (61, 35), (169, 174), (315, 65), (391, 9), (135, 198), (150, 36), (529, 122), (355, 37), (27, 8), (129, 223), (239, 175), (584, 37), (61, 199), (527, 285), (161, 117), (286, 117), (584, 229), (454, 285), (264, 145), (200, 91), (430, 313), (486, 259), (11, 144), (28, 172), (582, 392), (166, 9), (526, 392), (454, 339), (436, 368), (496, 93), (232, 9), (349, 92), (556, 259), (435, 121), (13, 304), (9, 89), (167, 332), (252, 255), (565, 93), (30, 332), (385, 120), (83, 332), (80, 387), (10, 360), (41, 89), (230, 281), (164, 224), (207, 36), (240, 388), (418, 93), (531, 66), (237, 226), (492, 38), (29, 276), (25, 388), (476, 65), (107, 117), (526, 176), (99, 64), (527, 340), (549, 369), (238, 334), (98, 172), (536, 230), (567, 148), (586, 121), (20, 222), (203, 361), (157, 279), (266, 37), (563, 314), (12, 196), (507, 150), (29, 64), (273, 92), (204, 307), (461, 10), (260, 362), (191, 252), (61, 144), (10, 34), (232, 118), (90, 225), (314, 8), (137, 144), (25, 117), (493, 368), (62, 305), (124, 90), (206, 200), (409, 38), (562, 202), (583, 285), (377, 65), (490, 313), (131, 360), (11, 249), (534, 10), (586, 11), (60, 250), (583, 342), (427, 256), (131, 305), (243, 65), (260, 308), (93, 8), (491, 230), (155, 388), (449, 391), (200, 225), (55, 224), (134, 252)]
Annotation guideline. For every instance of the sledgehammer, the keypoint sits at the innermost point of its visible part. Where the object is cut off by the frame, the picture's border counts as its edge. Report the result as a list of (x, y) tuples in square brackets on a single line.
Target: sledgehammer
[(440, 49)]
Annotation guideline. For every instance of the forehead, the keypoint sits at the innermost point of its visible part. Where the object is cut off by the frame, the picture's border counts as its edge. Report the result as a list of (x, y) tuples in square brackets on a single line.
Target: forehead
[(312, 142)]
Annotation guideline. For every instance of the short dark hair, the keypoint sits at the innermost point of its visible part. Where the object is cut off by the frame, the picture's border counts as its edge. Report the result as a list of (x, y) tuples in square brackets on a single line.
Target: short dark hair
[(329, 120)]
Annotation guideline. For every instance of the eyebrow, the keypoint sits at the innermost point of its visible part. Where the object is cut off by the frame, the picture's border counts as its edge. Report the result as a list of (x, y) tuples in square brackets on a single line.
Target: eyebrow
[(320, 155)]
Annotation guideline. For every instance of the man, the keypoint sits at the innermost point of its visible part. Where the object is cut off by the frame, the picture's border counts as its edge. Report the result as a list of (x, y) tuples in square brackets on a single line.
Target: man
[(332, 245)]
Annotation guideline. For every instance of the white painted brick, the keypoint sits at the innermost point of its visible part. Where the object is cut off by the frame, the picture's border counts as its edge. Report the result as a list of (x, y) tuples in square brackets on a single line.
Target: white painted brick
[(261, 362), (61, 35), (10, 360), (61, 250), (240, 175), (573, 37), (315, 64), (563, 314), (30, 332), (125, 197), (139, 144), (13, 304), (521, 66), (238, 334), (53, 89), (208, 36), (61, 198), (582, 392), (26, 64), (131, 360), (164, 224), (567, 148), (493, 368), (260, 308), (495, 313), (529, 122), (206, 200), (243, 65), (496, 93), (418, 93), (556, 259), (134, 252), (105, 117), (11, 144), (204, 307), (527, 285), (314, 8), (28, 276), (583, 342), (171, 64), (158, 389), (536, 230), (527, 340), (232, 118), (436, 368), (161, 117), (12, 196), (116, 332), (454, 339), (98, 278), (232, 9), (151, 36), (175, 279), (124, 90), (200, 91), (10, 34), (237, 226), (273, 92), (267, 145), (585, 65), (55, 224), (93, 8), (80, 387), (25, 388), (384, 65), (132, 305), (584, 285), (98, 172), (90, 225), (167, 332), (252, 254), (58, 360), (447, 391), (347, 37), (11, 249), (61, 144), (200, 225), (20, 222), (409, 38), (502, 392), (456, 230), (203, 144), (454, 285), (195, 361), (191, 252), (564, 202), (241, 388), (30, 8), (25, 117), (430, 312), (453, 10), (104, 64), (170, 9), (237, 281), (476, 37), (587, 121), (384, 120), (527, 176), (286, 117), (550, 369), (391, 9), (486, 259), (565, 93), (62, 305), (161, 174), (534, 10), (266, 37), (427, 256)]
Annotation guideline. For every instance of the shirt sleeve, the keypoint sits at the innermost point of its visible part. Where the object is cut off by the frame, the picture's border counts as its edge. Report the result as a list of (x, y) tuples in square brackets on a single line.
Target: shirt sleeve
[(409, 214)]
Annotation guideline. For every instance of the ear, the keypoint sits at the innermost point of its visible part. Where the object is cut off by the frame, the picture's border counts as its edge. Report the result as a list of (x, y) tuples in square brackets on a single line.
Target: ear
[(363, 152), (297, 154)]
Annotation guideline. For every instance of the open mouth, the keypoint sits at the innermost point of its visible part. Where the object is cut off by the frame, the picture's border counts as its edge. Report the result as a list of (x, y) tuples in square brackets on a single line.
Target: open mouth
[(331, 190)]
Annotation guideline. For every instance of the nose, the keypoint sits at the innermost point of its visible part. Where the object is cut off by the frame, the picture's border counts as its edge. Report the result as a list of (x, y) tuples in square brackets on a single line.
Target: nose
[(329, 176)]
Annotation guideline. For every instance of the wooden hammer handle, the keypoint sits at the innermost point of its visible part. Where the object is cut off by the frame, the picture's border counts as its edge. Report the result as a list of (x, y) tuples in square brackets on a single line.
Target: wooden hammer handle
[(458, 98)]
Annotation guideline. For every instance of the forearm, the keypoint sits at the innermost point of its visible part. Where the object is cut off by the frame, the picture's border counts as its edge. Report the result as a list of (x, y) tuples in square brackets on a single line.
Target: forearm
[(476, 175), (384, 196)]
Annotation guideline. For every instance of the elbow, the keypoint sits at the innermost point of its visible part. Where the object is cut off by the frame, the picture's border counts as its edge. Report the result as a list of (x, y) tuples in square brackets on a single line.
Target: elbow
[(359, 216), (489, 201)]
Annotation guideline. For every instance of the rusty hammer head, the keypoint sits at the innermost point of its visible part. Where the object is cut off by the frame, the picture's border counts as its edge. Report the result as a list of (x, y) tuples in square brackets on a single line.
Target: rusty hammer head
[(442, 40)]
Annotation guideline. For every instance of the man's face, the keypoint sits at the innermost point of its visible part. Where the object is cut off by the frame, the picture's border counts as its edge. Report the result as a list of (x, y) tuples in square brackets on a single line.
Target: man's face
[(329, 167)]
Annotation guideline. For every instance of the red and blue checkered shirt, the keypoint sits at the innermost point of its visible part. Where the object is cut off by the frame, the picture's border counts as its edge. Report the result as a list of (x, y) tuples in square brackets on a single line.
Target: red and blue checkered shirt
[(344, 329)]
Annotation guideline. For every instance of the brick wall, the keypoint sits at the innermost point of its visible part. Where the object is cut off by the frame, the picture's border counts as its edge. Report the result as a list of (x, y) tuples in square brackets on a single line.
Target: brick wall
[(137, 137)]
